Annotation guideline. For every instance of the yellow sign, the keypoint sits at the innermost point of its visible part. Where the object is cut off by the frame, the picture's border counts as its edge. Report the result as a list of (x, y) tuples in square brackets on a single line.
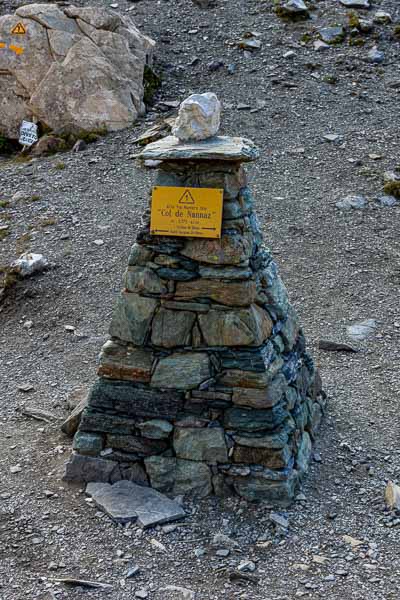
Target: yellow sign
[(19, 29), (188, 212), (3, 45)]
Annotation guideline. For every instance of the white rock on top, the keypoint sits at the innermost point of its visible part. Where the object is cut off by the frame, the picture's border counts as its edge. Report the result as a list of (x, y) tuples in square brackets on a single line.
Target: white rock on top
[(199, 117)]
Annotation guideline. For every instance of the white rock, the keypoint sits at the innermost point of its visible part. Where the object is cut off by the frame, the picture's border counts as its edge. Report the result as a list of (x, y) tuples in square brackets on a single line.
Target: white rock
[(295, 6), (279, 520), (220, 539), (350, 202), (361, 331), (15, 469), (180, 593), (331, 137), (319, 45), (199, 117), (30, 263), (246, 566), (382, 17), (392, 496)]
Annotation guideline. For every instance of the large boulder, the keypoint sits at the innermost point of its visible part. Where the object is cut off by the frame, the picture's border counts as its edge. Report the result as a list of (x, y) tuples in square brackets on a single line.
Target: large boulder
[(74, 70)]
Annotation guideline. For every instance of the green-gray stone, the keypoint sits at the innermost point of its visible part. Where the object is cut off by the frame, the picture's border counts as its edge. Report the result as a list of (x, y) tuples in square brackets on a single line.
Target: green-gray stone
[(230, 182), (127, 398), (276, 388), (245, 327), (231, 249), (176, 274), (271, 458), (240, 207), (260, 398), (279, 493), (332, 35), (275, 297), (172, 328), (290, 329), (181, 371), (315, 419), (99, 422), (140, 255), (132, 317), (89, 468), (304, 454), (155, 429), (277, 439), (202, 307), (136, 444), (174, 476), (193, 478), (163, 260), (244, 419), (221, 488), (291, 397), (250, 379), (238, 273), (161, 471), (278, 343), (235, 293), (204, 444), (90, 444), (143, 280)]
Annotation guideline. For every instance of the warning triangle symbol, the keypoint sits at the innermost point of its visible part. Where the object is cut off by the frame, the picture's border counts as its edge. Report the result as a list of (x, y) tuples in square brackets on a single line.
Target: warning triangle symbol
[(187, 198), (19, 29)]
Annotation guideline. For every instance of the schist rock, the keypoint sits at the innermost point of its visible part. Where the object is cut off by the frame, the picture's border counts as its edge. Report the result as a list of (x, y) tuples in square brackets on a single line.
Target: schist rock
[(205, 385)]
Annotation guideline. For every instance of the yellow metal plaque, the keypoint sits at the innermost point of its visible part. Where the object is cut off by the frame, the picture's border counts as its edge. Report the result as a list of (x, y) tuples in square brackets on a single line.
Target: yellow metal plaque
[(188, 212)]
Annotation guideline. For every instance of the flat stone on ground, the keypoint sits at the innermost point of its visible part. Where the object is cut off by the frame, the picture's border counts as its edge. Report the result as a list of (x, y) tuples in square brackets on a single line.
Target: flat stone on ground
[(361, 331), (125, 501)]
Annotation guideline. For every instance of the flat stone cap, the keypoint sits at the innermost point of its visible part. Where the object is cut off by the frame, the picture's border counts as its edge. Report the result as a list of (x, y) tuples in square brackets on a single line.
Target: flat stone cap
[(220, 147)]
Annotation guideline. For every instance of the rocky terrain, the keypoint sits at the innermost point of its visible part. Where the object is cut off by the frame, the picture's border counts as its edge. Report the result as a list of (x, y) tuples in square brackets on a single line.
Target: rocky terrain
[(326, 124)]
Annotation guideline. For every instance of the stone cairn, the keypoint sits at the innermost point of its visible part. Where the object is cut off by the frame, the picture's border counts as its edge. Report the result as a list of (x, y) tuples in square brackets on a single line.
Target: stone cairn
[(205, 385)]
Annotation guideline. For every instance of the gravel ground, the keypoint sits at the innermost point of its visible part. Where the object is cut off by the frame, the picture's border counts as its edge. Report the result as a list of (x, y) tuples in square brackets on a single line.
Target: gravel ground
[(340, 266)]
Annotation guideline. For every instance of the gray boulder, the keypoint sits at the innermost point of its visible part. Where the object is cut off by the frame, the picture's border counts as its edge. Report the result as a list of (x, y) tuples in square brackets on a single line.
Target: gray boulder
[(75, 69)]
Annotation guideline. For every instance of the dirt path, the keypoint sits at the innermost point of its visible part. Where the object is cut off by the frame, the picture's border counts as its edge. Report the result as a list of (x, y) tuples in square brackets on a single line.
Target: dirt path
[(340, 267)]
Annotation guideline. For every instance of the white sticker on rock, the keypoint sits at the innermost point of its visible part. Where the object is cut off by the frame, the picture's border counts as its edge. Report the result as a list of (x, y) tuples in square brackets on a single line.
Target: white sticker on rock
[(28, 133)]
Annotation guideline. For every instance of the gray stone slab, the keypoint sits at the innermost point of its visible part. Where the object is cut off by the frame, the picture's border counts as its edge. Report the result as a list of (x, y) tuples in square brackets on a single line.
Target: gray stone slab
[(125, 501), (361, 331), (216, 148)]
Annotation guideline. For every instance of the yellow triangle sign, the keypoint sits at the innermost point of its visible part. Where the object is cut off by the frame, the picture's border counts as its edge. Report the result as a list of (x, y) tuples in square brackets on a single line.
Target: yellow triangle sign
[(19, 29), (187, 198)]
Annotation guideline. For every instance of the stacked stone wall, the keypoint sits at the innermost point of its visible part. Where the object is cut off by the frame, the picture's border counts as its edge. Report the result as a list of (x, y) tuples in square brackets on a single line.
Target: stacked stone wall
[(205, 385)]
